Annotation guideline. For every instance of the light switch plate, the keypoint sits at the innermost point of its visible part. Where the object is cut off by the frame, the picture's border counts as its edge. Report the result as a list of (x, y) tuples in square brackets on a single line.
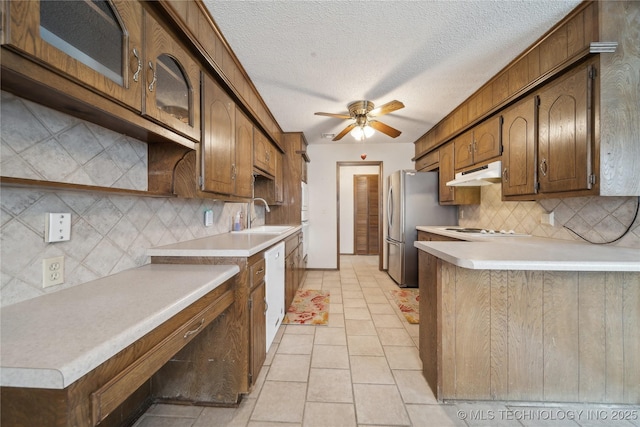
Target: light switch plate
[(547, 218), (57, 227), (208, 218)]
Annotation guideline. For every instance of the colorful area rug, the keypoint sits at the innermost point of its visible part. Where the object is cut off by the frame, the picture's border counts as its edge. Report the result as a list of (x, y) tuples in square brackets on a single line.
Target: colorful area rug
[(309, 307), (408, 301)]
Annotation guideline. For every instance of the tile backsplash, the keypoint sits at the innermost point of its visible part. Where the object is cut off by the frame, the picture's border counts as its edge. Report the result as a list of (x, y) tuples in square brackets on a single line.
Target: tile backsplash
[(598, 219), (109, 232)]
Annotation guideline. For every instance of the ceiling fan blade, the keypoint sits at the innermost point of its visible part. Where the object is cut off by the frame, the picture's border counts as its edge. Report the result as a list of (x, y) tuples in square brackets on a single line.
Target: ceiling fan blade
[(387, 108), (386, 129), (344, 132), (337, 116)]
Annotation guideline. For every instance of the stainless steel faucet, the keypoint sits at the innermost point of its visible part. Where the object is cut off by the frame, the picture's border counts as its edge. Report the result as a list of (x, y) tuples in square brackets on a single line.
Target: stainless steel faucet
[(251, 214)]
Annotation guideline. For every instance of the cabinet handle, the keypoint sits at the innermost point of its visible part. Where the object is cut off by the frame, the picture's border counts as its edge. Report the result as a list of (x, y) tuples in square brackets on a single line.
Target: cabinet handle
[(543, 167), (475, 146), (266, 306), (136, 75), (155, 77), (505, 174), (194, 331), (470, 148), (260, 271), (233, 171)]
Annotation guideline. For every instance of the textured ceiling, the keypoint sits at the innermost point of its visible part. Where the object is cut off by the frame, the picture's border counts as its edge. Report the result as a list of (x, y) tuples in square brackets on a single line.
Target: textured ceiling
[(308, 56)]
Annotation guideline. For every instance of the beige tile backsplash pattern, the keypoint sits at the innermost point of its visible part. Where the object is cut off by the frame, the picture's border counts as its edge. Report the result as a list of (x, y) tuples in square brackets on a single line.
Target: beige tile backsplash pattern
[(41, 143), (599, 219), (109, 233)]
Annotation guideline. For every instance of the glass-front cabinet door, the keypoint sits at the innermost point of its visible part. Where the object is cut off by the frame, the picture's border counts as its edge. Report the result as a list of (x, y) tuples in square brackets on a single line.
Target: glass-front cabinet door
[(96, 43), (172, 82)]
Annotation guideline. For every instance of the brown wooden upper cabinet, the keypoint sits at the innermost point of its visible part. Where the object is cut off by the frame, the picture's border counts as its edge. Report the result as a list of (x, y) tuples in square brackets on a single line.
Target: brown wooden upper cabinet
[(227, 141), (446, 172), (96, 43), (264, 153), (565, 142), (116, 49), (518, 158), (172, 81), (478, 144), (560, 117)]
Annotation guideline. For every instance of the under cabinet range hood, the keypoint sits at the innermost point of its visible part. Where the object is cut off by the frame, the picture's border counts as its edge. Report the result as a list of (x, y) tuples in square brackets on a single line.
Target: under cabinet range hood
[(483, 175)]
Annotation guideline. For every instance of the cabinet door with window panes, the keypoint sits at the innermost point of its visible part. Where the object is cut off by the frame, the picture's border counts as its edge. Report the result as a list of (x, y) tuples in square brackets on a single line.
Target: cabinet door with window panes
[(95, 43), (171, 81)]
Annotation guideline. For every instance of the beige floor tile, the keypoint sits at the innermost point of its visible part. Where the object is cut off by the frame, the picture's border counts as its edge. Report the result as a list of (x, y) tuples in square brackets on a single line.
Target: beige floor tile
[(387, 321), (330, 385), (273, 406), (335, 308), (393, 336), (356, 313), (403, 357), (156, 421), (298, 330), (296, 343), (376, 299), (379, 404), (228, 417), (330, 356), (262, 376), (330, 336), (364, 345), (370, 370), (354, 302), (321, 414), (336, 320), (290, 367), (359, 327), (434, 415), (381, 309), (354, 294), (413, 387)]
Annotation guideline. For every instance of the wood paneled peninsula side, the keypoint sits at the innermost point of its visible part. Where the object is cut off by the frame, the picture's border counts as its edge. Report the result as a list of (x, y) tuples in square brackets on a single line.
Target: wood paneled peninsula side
[(529, 319)]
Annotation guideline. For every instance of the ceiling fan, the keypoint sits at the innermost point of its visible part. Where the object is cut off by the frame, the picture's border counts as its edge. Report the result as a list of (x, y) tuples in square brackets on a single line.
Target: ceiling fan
[(362, 113)]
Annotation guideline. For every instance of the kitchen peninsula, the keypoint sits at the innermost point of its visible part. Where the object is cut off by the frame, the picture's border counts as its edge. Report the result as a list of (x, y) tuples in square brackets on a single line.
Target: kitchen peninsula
[(529, 319)]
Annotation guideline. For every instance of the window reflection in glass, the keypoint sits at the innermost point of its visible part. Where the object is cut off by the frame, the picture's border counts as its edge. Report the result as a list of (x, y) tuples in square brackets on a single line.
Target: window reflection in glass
[(172, 93), (86, 30)]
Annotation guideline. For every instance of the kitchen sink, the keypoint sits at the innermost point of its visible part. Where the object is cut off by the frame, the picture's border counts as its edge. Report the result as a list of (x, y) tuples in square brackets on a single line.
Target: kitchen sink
[(265, 229)]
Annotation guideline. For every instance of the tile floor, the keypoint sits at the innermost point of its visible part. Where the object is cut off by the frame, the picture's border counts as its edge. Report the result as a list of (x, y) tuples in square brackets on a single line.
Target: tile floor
[(363, 369)]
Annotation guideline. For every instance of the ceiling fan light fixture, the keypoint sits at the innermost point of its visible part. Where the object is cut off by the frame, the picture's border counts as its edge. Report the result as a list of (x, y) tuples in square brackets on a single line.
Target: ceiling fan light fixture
[(357, 133), (368, 131)]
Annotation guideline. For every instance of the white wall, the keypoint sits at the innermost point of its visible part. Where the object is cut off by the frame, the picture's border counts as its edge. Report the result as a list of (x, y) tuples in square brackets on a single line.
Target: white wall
[(323, 244), (346, 203)]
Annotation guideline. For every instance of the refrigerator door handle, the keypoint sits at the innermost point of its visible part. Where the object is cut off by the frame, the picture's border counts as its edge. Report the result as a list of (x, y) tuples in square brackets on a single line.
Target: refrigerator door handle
[(389, 207)]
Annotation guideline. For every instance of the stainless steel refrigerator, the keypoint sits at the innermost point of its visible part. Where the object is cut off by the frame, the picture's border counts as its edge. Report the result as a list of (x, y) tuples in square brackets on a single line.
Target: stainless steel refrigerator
[(412, 200)]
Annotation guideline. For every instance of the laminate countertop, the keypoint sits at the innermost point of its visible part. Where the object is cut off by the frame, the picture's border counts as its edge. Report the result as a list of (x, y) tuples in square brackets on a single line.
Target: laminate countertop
[(234, 244), (527, 253), (52, 340)]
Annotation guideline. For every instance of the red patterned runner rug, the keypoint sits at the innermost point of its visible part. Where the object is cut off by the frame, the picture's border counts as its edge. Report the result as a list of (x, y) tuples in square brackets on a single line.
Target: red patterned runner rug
[(309, 307), (408, 300)]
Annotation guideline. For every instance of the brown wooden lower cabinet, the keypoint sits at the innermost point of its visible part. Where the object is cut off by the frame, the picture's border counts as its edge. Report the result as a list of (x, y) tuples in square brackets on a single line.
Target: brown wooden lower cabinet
[(102, 396), (558, 336)]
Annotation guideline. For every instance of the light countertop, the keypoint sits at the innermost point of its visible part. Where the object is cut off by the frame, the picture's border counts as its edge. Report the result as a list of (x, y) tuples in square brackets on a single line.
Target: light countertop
[(528, 253), (52, 340), (223, 245)]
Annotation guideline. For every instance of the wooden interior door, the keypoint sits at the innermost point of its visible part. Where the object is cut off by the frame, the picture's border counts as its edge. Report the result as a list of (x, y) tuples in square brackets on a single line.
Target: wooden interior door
[(366, 212)]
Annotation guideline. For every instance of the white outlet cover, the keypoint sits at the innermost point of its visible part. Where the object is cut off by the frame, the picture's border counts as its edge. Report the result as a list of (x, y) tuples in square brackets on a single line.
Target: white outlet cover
[(52, 271), (57, 227)]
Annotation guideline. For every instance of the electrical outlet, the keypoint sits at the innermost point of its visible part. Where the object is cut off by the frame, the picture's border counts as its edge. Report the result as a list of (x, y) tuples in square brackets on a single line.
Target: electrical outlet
[(52, 271), (547, 218)]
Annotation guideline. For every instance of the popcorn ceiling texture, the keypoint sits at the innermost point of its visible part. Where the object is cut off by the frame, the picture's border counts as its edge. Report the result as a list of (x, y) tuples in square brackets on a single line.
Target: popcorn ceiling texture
[(599, 219)]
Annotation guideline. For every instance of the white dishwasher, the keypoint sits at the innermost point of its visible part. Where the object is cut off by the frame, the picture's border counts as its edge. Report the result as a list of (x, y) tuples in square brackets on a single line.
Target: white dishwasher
[(274, 283)]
